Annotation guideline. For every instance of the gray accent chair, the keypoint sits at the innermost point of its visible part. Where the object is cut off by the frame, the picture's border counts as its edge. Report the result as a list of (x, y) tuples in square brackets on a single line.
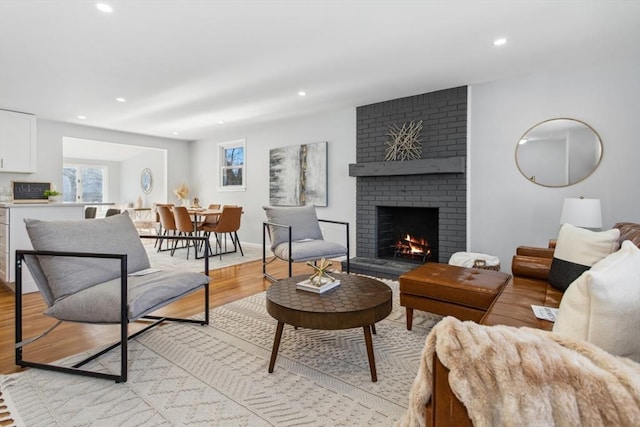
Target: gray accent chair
[(92, 272), (295, 236)]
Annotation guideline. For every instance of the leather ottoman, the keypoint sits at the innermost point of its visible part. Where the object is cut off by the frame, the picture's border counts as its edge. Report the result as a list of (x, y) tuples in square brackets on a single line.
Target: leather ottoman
[(448, 290)]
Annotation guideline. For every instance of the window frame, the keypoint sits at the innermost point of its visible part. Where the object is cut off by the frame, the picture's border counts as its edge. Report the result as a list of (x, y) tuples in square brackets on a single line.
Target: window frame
[(222, 147), (105, 178)]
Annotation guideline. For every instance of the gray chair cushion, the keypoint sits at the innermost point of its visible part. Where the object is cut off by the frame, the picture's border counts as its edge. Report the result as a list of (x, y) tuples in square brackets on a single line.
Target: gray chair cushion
[(65, 275), (309, 250), (302, 219), (101, 303)]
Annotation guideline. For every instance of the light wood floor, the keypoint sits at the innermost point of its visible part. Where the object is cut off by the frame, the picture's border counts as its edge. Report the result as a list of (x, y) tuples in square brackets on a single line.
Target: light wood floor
[(227, 285)]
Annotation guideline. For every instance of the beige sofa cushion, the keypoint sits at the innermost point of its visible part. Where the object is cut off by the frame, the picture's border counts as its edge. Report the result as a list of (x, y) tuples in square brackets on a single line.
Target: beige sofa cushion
[(602, 305)]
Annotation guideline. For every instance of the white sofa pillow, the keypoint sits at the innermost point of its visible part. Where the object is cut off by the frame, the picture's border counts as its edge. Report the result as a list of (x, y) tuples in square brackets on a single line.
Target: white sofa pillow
[(603, 305)]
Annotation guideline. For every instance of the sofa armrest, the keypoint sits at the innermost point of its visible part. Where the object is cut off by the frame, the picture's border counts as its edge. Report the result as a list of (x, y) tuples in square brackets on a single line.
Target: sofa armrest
[(530, 266), (535, 252), (444, 408)]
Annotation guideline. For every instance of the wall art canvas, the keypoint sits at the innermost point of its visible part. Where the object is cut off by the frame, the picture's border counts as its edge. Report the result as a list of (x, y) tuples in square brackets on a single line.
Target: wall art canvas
[(298, 175)]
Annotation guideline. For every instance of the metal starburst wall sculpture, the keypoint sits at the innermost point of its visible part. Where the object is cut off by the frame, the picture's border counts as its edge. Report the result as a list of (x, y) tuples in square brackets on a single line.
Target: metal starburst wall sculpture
[(404, 143)]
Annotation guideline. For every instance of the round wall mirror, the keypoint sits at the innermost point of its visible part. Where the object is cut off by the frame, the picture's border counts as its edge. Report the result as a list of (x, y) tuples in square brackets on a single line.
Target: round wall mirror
[(146, 181), (558, 152)]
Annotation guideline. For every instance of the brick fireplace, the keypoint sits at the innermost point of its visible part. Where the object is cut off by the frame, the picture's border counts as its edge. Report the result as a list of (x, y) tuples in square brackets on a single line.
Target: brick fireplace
[(435, 184)]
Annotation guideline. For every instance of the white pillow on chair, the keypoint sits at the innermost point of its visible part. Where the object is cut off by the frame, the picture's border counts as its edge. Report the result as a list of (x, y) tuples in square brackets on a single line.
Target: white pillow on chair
[(603, 305)]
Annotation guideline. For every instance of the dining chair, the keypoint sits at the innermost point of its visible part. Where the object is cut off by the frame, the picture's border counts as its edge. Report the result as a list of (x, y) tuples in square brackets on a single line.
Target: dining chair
[(90, 212), (112, 211), (229, 223), (168, 224), (210, 220), (157, 219), (185, 227)]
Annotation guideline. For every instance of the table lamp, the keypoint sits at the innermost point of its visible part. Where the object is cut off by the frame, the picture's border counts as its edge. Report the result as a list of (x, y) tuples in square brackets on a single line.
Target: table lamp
[(581, 212)]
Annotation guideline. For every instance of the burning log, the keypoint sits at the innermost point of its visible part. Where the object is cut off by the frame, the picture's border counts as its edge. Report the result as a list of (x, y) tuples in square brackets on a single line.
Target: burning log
[(413, 248)]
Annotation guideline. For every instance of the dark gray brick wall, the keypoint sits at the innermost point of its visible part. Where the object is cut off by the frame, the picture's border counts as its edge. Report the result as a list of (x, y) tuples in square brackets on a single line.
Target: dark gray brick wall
[(444, 134)]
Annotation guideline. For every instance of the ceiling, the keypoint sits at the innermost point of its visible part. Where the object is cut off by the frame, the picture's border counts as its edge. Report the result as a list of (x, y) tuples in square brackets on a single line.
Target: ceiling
[(83, 149), (186, 66)]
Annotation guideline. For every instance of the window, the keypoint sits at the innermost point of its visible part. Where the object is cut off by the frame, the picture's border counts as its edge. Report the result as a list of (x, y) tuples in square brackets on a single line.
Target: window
[(84, 183), (231, 161)]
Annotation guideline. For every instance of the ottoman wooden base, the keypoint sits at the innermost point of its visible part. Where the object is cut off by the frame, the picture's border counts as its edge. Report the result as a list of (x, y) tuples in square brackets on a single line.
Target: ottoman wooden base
[(448, 290)]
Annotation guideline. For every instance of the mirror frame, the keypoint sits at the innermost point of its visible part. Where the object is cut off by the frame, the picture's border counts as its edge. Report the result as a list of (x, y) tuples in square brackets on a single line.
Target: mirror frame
[(570, 183), (146, 181)]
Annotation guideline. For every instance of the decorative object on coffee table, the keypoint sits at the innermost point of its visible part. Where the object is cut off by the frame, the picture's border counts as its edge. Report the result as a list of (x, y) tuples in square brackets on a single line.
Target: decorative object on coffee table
[(320, 281), (321, 271)]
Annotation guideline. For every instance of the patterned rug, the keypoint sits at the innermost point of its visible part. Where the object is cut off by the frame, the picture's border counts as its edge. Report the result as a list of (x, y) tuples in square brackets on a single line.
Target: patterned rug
[(216, 375), (179, 261)]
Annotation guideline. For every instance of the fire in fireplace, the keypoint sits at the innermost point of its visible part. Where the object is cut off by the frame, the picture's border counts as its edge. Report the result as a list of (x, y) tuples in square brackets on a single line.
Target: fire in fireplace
[(413, 248), (407, 233)]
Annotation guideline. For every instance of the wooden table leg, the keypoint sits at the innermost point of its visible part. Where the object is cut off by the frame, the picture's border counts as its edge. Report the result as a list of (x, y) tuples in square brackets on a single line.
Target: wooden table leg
[(409, 318), (372, 361), (276, 346)]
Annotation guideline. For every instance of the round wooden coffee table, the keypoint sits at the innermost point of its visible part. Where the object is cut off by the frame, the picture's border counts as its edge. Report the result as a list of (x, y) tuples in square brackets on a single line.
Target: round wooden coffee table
[(357, 302)]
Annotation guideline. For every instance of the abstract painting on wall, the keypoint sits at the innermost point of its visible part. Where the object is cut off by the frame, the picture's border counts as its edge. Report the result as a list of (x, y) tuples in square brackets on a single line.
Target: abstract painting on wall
[(298, 175)]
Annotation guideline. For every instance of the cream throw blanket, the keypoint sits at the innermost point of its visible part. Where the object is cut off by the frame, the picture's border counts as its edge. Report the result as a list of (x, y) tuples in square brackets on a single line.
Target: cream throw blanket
[(509, 376)]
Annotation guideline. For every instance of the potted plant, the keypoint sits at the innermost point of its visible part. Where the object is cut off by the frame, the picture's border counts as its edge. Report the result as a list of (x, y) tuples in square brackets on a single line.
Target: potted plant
[(53, 195)]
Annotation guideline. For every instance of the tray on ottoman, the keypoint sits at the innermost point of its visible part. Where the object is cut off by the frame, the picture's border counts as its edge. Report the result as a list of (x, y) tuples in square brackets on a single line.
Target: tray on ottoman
[(448, 290)]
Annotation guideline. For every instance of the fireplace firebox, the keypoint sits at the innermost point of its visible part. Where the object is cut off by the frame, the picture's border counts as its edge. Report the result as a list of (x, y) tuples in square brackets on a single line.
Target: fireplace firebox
[(407, 234)]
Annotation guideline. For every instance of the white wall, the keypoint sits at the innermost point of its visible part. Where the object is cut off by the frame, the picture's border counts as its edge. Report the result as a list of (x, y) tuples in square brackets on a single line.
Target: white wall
[(49, 166), (337, 128), (131, 170), (505, 209)]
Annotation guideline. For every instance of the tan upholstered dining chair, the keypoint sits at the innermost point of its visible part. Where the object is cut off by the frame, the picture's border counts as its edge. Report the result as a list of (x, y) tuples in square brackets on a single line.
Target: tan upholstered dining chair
[(184, 226), (168, 226), (228, 224)]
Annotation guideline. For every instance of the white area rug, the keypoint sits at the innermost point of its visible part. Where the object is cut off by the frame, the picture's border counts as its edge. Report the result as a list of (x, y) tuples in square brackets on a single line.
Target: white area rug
[(182, 374), (165, 261)]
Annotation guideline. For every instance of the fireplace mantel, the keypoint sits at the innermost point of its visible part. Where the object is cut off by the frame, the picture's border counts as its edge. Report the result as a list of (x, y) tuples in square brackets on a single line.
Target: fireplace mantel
[(409, 167)]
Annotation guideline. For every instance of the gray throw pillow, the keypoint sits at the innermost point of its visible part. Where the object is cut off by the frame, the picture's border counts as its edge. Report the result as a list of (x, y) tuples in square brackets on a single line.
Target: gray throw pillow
[(67, 275), (302, 219)]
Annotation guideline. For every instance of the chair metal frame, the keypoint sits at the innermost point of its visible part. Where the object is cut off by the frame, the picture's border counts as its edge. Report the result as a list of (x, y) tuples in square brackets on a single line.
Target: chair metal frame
[(266, 231), (124, 320)]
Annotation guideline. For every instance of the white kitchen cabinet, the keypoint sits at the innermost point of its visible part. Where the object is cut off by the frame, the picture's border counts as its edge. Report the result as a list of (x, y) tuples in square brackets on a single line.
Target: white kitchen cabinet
[(18, 142)]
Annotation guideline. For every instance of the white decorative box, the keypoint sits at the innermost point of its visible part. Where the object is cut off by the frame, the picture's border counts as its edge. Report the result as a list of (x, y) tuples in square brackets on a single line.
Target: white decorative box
[(324, 285)]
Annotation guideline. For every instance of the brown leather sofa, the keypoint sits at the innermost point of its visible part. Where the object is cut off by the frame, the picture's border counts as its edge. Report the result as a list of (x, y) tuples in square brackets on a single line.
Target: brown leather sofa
[(512, 307)]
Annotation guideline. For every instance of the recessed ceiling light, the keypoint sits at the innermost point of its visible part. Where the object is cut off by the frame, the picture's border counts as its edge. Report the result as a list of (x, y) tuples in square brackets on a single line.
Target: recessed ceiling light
[(302, 93), (175, 133), (499, 42), (103, 7), (82, 117), (121, 100), (220, 122)]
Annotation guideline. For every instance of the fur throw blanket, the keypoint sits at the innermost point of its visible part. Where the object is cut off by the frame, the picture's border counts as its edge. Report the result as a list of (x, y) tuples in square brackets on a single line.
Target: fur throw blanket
[(522, 376)]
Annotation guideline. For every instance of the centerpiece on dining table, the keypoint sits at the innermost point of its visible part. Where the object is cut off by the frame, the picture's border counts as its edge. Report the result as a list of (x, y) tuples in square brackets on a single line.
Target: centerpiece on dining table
[(183, 194)]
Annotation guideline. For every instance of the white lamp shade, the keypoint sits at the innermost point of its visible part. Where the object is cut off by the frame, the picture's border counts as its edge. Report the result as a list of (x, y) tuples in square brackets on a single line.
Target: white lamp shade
[(585, 213)]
